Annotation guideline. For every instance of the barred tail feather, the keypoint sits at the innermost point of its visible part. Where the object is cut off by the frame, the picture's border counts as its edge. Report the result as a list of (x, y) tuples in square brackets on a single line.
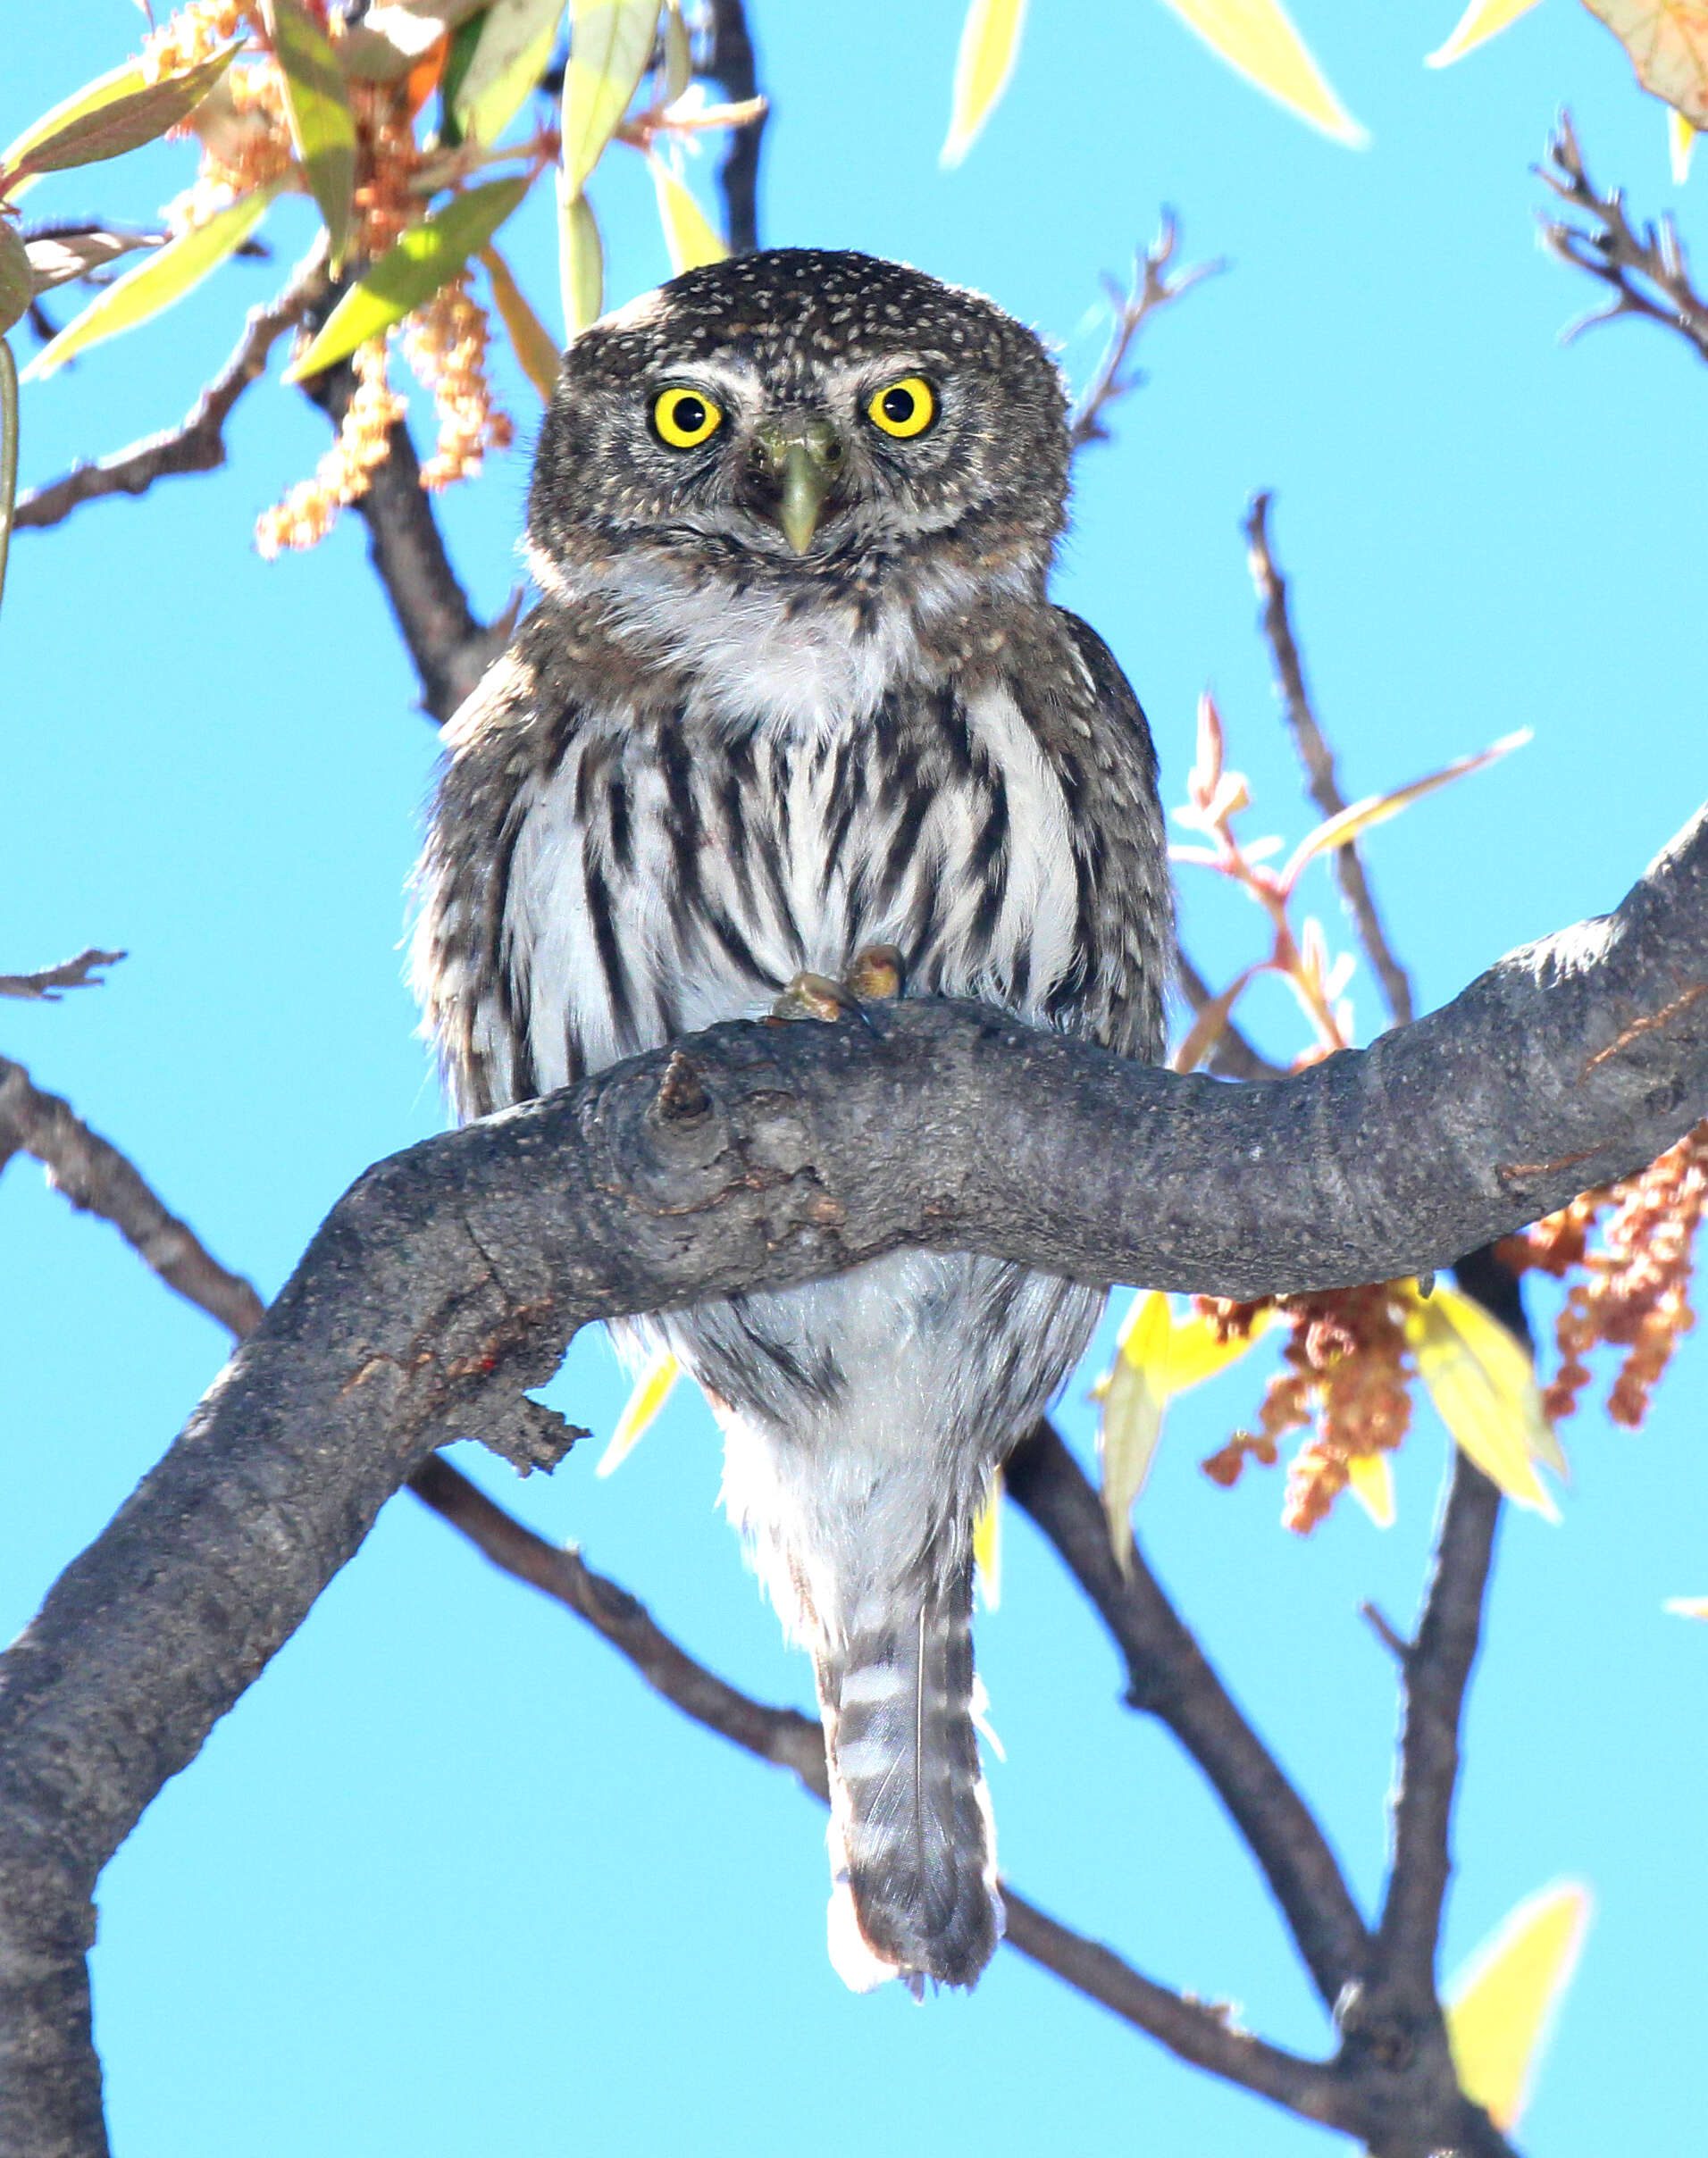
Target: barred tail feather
[(911, 1841)]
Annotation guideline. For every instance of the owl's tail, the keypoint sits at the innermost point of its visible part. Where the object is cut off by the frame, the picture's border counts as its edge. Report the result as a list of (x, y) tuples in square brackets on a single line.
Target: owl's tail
[(911, 1842)]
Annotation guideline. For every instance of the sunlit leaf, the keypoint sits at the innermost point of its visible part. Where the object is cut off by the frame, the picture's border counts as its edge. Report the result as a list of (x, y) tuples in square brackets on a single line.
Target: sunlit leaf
[(1256, 38), (1370, 1481), (1500, 2006), (317, 104), (609, 45), (1377, 809), (515, 41), (1681, 140), (987, 1545), (162, 277), (531, 341), (1209, 1025), (651, 1390), (1481, 20), (990, 45), (1480, 1379), (17, 278), (60, 258), (108, 117), (423, 258), (679, 53), (1686, 1607), (690, 237), (580, 262), (1668, 43)]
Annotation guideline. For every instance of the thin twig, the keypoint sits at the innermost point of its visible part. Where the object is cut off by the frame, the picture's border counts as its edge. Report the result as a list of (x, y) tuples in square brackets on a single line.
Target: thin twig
[(1319, 760), (199, 444), (731, 63), (1195, 2030), (44, 988), (98, 1179), (1231, 1055), (1151, 291), (1644, 267), (1169, 1679)]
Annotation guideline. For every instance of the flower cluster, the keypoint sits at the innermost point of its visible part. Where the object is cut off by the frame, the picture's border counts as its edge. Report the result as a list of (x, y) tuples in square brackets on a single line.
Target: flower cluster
[(308, 512), (446, 343), (192, 34)]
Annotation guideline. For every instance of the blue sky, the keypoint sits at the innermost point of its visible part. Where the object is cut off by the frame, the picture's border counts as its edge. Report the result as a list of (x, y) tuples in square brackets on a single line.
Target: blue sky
[(448, 1878)]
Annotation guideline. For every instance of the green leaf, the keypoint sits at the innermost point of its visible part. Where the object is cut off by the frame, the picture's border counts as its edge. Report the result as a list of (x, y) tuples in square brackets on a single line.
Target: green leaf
[(532, 342), (1256, 38), (679, 55), (425, 257), (1500, 2005), (17, 278), (580, 262), (90, 127), (690, 235), (1481, 20), (516, 42), (990, 45), (165, 276), (317, 104), (609, 47)]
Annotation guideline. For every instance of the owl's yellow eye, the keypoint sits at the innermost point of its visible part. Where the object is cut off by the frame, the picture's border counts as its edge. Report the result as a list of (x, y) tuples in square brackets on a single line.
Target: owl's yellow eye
[(685, 418), (905, 408)]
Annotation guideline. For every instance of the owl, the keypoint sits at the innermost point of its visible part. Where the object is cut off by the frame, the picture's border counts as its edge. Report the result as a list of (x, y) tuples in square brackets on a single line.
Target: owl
[(794, 722)]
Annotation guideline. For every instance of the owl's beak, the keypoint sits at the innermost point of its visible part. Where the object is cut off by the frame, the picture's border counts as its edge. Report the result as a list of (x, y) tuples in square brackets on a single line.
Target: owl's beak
[(800, 455)]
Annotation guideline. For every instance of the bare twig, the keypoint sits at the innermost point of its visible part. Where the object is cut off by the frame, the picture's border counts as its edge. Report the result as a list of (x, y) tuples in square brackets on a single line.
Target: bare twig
[(69, 973), (1169, 1679), (199, 444), (1231, 1055), (1198, 2032), (1644, 267), (730, 62), (98, 1179), (1151, 291), (1319, 760)]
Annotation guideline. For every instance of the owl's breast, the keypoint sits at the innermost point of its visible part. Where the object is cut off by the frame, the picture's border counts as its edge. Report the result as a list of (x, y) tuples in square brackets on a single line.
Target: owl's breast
[(676, 871)]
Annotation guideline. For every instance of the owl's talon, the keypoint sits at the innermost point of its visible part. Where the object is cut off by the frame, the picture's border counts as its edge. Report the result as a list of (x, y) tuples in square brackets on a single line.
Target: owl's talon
[(876, 973), (810, 996)]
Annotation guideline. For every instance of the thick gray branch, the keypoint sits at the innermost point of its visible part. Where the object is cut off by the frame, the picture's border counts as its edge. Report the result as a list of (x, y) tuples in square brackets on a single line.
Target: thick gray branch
[(450, 1277)]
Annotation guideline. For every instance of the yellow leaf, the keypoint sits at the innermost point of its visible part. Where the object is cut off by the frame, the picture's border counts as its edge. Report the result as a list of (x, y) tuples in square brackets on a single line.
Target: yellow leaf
[(317, 105), (1681, 140), (1372, 1486), (689, 235), (416, 266), (987, 1544), (1197, 1353), (580, 262), (161, 278), (1500, 2005), (1481, 20), (508, 59), (1134, 1396), (1686, 1607), (1480, 1379), (651, 1392), (1377, 809), (990, 45), (609, 47), (1256, 38), (529, 337), (1668, 43)]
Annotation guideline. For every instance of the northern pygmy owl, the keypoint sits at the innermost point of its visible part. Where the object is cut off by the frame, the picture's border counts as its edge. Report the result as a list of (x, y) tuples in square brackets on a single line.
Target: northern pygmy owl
[(794, 690)]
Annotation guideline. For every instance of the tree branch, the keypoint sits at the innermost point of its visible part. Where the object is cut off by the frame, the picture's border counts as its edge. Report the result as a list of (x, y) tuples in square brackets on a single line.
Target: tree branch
[(1645, 269), (1169, 1678), (1153, 289), (1318, 760), (199, 444), (98, 1179), (44, 987), (731, 63), (448, 1279)]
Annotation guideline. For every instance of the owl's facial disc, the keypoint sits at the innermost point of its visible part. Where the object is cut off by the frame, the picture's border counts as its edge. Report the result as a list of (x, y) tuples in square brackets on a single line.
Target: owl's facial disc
[(796, 461)]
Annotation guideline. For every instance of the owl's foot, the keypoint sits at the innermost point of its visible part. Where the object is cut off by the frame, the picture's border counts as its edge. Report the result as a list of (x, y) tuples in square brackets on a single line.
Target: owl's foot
[(874, 973)]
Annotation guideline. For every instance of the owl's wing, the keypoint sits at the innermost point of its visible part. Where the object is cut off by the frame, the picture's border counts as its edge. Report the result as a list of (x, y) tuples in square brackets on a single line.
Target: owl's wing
[(1095, 734)]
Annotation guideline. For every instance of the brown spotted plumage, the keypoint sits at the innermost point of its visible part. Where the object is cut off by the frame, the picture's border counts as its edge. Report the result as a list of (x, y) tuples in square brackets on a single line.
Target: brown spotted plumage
[(794, 690)]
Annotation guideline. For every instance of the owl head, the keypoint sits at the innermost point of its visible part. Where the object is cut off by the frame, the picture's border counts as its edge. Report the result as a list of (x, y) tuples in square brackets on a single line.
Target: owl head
[(798, 417)]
